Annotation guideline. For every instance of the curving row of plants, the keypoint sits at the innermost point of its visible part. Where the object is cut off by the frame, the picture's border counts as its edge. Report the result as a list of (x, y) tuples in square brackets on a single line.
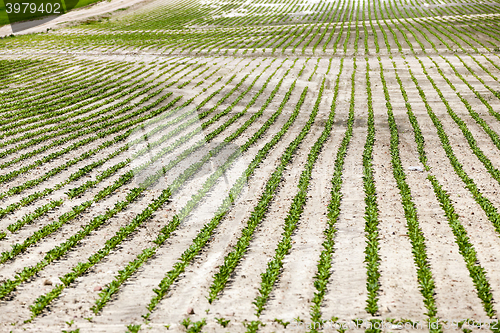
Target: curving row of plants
[(275, 265), (233, 258), (205, 233), (325, 259), (124, 232), (47, 230)]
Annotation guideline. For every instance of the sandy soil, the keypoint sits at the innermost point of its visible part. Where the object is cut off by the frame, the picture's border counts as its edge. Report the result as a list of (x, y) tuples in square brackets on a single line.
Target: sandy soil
[(165, 50)]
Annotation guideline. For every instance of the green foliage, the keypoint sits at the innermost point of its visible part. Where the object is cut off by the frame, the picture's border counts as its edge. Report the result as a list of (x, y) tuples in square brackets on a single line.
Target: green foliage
[(133, 328), (253, 326), (223, 322), (281, 322)]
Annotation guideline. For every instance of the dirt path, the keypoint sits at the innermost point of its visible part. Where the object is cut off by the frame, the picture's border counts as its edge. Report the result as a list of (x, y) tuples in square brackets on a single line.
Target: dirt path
[(72, 17)]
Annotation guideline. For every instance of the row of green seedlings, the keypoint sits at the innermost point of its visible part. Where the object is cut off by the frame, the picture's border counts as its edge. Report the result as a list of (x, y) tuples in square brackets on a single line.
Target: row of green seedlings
[(462, 32), (266, 36), (62, 249), (31, 217), (22, 75), (39, 82), (276, 16), (121, 123), (263, 35), (234, 257), (108, 190), (474, 115), (489, 209), (80, 105), (81, 102), (47, 230), (76, 145), (75, 211), (44, 300), (283, 34), (332, 29), (328, 28), (45, 112), (348, 34), (12, 69), (224, 43), (44, 88), (111, 170), (108, 120), (206, 232), (79, 190), (22, 110), (108, 172), (275, 265), (446, 44), (492, 134), (495, 114), (317, 30), (466, 249), (237, 41), (325, 261), (63, 120), (342, 26), (210, 74), (185, 83), (81, 123), (476, 271), (67, 113), (79, 173), (494, 172), (417, 239), (296, 34), (12, 117), (372, 256)]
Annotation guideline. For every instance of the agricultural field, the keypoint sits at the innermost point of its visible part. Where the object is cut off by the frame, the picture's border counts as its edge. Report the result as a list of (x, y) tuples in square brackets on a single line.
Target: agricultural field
[(253, 166)]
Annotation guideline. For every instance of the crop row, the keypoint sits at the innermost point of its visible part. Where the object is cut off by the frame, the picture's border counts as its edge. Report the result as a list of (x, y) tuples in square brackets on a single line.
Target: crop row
[(108, 172), (126, 231)]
